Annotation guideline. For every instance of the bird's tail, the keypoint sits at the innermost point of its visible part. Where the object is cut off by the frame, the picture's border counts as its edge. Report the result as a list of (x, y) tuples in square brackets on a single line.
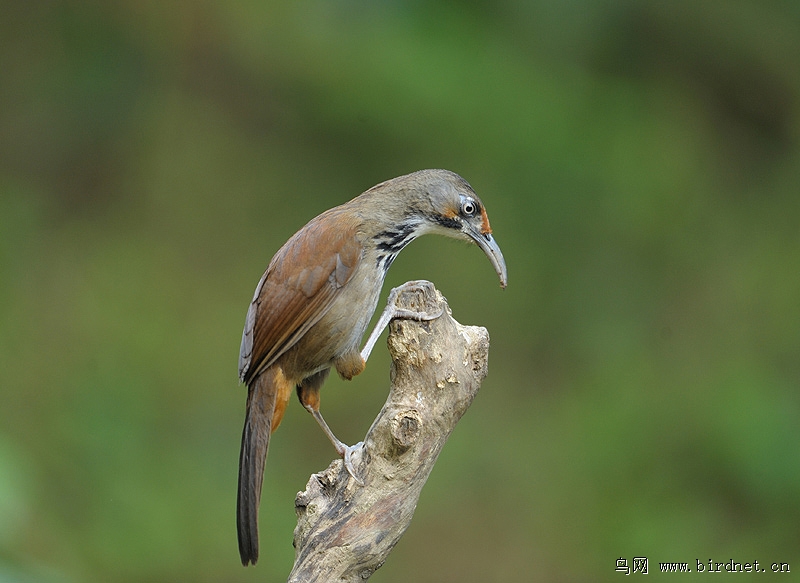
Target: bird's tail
[(261, 400)]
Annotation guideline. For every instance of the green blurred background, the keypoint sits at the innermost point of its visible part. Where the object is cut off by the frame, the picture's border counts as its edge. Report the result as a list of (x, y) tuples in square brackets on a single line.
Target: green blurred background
[(640, 162)]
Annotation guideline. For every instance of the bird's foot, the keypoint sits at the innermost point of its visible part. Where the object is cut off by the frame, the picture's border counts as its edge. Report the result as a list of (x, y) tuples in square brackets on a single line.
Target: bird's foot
[(416, 285), (347, 455), (345, 451), (392, 312)]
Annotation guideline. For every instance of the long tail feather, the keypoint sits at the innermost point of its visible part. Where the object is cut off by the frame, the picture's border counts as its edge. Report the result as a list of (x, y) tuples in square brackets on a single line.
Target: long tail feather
[(255, 442)]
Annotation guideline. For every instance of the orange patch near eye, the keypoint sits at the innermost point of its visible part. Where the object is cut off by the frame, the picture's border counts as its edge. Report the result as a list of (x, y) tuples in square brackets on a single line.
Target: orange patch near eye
[(485, 226), (450, 213)]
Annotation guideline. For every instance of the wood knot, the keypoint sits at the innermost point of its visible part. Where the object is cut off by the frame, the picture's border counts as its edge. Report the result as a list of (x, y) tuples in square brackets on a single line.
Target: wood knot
[(405, 427)]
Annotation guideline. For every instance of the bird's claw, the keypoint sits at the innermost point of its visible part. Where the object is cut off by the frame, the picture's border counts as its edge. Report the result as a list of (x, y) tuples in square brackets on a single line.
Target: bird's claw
[(406, 313), (349, 450), (402, 313), (392, 312)]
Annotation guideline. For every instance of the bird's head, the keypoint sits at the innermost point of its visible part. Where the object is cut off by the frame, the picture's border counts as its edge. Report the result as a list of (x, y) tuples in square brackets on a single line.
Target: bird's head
[(429, 201), (451, 208)]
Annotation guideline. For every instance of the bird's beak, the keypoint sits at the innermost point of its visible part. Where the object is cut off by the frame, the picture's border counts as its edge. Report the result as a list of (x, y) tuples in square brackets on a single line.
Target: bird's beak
[(492, 250)]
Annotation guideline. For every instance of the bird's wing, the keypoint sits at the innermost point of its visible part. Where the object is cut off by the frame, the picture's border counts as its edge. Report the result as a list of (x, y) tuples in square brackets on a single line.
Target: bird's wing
[(298, 288)]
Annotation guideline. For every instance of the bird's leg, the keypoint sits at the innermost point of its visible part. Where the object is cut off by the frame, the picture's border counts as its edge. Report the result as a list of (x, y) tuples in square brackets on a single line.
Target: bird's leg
[(344, 450), (392, 311), (308, 392)]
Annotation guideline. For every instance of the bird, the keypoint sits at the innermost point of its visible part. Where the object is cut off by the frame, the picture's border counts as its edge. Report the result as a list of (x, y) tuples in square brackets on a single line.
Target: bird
[(314, 302)]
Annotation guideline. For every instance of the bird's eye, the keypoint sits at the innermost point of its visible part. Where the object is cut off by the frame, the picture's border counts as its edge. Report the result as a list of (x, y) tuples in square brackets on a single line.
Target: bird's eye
[(468, 207)]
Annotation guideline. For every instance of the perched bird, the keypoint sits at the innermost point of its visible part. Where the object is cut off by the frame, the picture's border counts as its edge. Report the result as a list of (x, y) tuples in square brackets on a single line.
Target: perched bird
[(316, 298)]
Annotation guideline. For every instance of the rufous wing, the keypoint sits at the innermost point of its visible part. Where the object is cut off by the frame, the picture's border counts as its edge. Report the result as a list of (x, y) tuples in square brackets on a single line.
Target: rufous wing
[(298, 288)]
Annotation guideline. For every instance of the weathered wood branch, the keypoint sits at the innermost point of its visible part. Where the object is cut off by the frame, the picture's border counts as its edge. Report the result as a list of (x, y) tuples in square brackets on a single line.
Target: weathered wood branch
[(345, 531)]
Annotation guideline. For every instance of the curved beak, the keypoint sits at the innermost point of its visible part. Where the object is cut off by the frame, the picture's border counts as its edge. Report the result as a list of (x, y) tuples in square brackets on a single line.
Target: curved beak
[(492, 250)]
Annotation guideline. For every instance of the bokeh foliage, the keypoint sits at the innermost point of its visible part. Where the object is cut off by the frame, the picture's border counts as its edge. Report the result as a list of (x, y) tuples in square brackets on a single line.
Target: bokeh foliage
[(640, 161)]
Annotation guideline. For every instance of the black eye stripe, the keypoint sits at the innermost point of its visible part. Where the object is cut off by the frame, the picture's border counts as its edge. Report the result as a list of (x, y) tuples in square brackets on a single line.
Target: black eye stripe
[(448, 222)]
